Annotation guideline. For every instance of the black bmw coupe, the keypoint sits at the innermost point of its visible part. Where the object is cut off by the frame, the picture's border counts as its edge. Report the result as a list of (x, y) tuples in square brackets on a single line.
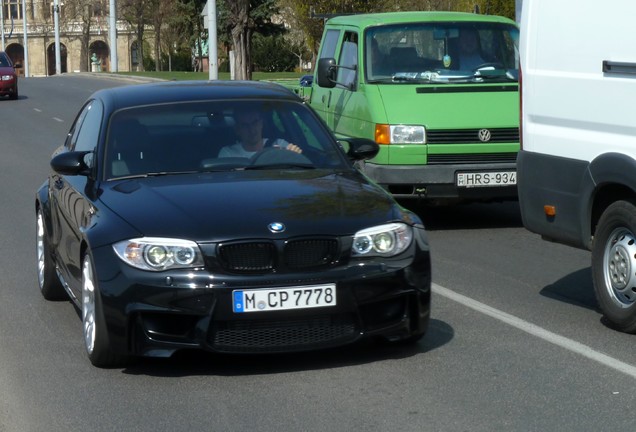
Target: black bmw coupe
[(169, 232)]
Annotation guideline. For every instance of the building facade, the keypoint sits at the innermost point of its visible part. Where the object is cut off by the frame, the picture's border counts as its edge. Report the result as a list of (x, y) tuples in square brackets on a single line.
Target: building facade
[(77, 20)]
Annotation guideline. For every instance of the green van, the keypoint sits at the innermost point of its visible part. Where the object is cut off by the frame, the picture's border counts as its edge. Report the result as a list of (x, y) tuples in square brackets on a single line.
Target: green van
[(437, 90)]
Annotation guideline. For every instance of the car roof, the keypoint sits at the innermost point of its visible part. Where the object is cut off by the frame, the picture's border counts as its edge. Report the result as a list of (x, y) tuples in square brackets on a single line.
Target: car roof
[(116, 98), (374, 19)]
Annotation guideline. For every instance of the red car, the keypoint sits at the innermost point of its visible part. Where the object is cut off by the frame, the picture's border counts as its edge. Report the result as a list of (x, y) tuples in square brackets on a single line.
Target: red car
[(8, 77)]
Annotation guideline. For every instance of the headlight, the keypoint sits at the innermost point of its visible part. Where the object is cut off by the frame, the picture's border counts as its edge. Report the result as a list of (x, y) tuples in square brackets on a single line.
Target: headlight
[(384, 240), (7, 77), (159, 254), (405, 134), (400, 134)]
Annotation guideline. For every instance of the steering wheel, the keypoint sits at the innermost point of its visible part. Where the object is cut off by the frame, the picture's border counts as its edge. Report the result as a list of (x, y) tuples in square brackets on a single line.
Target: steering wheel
[(274, 155), (489, 64)]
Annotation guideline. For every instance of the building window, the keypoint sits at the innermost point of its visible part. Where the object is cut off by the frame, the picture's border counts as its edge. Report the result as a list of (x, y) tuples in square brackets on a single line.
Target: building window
[(134, 54), (12, 9)]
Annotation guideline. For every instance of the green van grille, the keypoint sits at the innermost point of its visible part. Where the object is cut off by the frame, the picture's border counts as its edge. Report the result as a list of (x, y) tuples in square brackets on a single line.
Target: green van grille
[(479, 158), (466, 136)]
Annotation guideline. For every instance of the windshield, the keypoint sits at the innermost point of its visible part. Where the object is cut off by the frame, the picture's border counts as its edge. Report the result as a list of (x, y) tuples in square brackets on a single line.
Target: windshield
[(442, 52), (223, 135)]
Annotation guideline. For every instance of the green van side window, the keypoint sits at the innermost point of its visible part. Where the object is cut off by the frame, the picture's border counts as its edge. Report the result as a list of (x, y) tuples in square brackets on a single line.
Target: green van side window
[(349, 61), (329, 44)]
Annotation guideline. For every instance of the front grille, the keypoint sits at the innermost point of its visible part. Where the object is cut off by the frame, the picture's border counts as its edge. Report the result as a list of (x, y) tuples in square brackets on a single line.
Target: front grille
[(270, 256), (464, 158), (305, 254), (278, 336), (248, 257), (471, 136)]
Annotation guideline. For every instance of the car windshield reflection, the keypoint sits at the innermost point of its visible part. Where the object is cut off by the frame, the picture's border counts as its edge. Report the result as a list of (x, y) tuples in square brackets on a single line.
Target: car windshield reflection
[(217, 136)]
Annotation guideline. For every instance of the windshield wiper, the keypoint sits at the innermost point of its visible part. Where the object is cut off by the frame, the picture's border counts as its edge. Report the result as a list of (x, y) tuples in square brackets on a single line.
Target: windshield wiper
[(282, 165), (152, 174)]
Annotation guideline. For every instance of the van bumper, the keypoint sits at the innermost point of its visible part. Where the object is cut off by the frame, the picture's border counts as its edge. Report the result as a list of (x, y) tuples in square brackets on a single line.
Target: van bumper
[(441, 181)]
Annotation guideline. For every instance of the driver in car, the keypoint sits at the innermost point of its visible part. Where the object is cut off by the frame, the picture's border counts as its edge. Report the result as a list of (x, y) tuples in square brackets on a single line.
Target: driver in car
[(470, 52), (248, 126)]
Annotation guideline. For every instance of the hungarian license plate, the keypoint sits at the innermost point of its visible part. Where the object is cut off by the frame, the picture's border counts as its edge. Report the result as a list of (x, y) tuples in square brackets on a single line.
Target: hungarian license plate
[(484, 179), (300, 297)]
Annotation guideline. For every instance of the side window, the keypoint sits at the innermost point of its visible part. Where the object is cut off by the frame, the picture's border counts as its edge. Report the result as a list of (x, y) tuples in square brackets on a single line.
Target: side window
[(329, 44), (89, 131), (348, 61), (71, 137)]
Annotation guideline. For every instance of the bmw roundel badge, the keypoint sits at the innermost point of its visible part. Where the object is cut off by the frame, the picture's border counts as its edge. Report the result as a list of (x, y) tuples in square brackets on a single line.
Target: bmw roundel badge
[(276, 227)]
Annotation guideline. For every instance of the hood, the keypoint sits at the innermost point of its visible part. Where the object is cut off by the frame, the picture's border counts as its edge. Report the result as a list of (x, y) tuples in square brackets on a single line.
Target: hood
[(234, 205), (6, 70), (448, 106)]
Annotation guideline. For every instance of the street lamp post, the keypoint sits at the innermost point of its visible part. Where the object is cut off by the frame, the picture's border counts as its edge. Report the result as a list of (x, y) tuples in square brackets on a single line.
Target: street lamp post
[(2, 22), (113, 36), (212, 44), (26, 42), (58, 59)]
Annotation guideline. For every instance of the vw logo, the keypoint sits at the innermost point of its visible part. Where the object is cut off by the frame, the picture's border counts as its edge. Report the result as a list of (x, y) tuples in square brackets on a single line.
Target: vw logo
[(276, 227), (484, 135)]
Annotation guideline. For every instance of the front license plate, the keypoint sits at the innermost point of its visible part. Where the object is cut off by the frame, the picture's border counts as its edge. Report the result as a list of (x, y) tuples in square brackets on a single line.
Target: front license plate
[(485, 179), (300, 297)]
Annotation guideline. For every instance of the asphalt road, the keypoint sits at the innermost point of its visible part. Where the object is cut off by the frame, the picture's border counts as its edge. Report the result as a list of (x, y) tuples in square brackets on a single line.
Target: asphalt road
[(516, 341)]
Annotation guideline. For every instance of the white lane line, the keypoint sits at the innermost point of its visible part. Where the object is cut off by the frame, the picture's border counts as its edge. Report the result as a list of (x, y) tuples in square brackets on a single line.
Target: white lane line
[(537, 331), (58, 119), (37, 110)]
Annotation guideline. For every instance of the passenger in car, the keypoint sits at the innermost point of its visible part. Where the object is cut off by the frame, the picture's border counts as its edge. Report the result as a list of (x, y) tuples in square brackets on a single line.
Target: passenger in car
[(248, 125)]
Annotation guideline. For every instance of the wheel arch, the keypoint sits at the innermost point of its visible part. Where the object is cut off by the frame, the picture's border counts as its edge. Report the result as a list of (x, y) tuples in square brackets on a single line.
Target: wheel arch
[(42, 203), (614, 178)]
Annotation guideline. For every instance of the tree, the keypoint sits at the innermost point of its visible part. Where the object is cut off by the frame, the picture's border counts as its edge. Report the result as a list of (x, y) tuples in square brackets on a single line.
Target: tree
[(272, 54), (192, 25), (310, 16), (135, 12), (81, 11), (174, 37), (241, 19)]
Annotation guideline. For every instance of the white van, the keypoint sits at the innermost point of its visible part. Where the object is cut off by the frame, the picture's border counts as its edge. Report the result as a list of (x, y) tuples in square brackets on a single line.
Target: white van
[(577, 165)]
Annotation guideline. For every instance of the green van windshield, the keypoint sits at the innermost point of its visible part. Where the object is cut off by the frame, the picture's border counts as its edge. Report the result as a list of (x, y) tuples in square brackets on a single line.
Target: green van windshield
[(453, 52)]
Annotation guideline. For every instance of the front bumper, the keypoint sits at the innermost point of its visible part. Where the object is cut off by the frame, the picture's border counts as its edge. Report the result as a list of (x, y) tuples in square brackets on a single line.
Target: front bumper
[(157, 314), (439, 181), (9, 87)]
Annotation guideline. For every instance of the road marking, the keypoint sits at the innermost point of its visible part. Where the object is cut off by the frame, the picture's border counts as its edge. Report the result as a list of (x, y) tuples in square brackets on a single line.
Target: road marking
[(37, 110), (537, 331), (58, 119)]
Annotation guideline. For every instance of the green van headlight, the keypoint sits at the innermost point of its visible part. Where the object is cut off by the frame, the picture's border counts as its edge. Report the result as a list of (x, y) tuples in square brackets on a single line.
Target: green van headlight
[(408, 134)]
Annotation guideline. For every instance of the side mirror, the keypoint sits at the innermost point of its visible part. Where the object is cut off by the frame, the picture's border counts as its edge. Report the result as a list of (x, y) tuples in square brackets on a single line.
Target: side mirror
[(70, 163), (361, 148), (306, 80), (327, 72), (17, 65)]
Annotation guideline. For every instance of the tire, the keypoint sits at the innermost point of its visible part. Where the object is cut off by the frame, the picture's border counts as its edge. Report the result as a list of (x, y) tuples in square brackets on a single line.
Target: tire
[(614, 265), (50, 285), (94, 330)]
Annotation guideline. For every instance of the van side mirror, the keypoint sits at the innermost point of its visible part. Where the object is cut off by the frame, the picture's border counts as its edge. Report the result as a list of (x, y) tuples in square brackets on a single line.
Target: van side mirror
[(327, 72)]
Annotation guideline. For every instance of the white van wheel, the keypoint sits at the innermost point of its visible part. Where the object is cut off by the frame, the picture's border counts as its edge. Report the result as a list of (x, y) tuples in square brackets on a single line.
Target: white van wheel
[(614, 265)]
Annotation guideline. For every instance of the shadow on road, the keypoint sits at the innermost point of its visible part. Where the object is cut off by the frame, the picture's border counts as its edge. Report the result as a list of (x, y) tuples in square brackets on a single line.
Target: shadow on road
[(576, 289), (188, 363), (468, 216)]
